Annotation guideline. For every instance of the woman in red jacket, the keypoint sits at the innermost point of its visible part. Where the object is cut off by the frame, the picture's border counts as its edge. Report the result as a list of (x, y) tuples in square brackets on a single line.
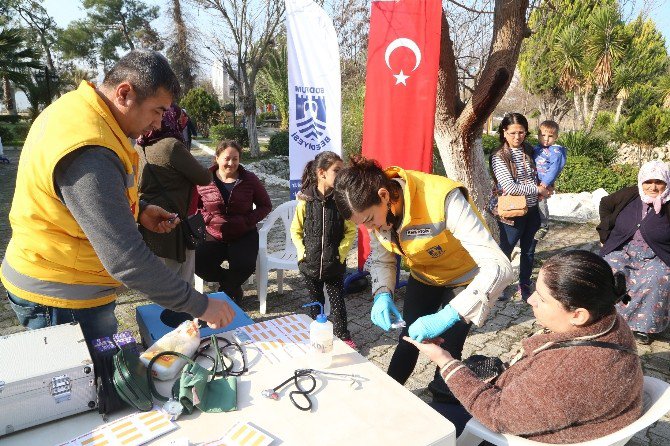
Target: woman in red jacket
[(227, 205)]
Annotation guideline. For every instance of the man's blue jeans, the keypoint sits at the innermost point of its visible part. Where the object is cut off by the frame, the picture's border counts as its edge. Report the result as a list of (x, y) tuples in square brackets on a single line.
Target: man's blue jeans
[(95, 322)]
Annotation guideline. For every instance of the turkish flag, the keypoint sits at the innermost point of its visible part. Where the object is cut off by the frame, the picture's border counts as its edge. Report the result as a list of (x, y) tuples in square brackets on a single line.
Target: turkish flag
[(400, 87)]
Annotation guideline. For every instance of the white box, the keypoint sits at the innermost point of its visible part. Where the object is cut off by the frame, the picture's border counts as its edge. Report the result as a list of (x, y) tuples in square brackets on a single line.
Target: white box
[(45, 375)]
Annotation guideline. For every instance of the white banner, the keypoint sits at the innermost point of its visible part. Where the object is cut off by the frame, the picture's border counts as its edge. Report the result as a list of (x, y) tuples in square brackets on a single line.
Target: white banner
[(314, 86)]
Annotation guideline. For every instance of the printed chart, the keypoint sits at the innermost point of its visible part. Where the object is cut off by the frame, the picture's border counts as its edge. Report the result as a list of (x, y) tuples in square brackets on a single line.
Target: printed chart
[(131, 430), (278, 339), (243, 434)]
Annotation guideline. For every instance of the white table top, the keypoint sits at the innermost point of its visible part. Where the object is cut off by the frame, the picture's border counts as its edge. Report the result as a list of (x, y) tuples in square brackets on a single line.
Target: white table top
[(381, 412)]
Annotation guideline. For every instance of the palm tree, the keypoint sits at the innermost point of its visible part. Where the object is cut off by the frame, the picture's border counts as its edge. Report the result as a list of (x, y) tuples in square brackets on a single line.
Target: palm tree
[(15, 60), (569, 50), (624, 79), (606, 45), (275, 75)]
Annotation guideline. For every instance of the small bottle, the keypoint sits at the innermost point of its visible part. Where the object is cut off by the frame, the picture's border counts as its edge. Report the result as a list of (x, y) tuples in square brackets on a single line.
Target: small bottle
[(321, 339)]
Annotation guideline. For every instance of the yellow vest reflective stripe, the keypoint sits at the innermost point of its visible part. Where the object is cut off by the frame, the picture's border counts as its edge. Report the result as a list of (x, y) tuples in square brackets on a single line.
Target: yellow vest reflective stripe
[(431, 251), (49, 260)]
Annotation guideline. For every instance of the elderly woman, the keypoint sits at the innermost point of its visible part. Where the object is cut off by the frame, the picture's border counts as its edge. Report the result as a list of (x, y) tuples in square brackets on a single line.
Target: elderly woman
[(579, 380), (635, 232)]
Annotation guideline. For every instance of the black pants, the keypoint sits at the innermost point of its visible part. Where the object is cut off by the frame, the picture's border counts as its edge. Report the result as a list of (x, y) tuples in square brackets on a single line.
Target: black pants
[(338, 309), (241, 255), (422, 300)]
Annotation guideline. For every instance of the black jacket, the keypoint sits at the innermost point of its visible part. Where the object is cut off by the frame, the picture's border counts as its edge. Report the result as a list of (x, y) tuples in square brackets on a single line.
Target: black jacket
[(323, 230)]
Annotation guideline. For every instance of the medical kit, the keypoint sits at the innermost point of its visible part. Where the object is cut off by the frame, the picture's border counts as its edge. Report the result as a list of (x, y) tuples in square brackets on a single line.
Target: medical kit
[(45, 375)]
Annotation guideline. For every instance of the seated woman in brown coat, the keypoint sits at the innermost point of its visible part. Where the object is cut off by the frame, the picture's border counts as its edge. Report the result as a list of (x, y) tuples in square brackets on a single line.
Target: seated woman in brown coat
[(562, 387)]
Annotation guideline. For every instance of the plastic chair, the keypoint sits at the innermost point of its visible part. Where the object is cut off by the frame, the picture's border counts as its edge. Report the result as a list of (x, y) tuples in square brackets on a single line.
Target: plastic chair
[(280, 260), (656, 403)]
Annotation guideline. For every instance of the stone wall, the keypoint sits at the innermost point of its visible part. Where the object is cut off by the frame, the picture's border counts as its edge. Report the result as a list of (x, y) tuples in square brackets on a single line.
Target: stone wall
[(632, 154)]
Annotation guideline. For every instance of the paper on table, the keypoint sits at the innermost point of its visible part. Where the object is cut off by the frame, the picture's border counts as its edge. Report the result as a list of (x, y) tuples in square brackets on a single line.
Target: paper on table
[(243, 434), (277, 339), (132, 430)]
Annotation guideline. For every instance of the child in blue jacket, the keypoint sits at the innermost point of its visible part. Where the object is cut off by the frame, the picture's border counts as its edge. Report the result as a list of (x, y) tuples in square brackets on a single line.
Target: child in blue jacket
[(549, 159)]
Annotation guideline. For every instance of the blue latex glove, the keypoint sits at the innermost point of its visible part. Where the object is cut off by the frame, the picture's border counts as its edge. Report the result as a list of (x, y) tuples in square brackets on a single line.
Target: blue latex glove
[(382, 309), (433, 325)]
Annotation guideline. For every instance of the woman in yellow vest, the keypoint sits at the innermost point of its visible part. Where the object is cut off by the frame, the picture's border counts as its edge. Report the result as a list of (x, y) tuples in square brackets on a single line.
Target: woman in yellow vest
[(457, 271)]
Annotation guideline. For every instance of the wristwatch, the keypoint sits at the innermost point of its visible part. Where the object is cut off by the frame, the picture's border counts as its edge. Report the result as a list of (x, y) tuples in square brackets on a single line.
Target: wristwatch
[(173, 408)]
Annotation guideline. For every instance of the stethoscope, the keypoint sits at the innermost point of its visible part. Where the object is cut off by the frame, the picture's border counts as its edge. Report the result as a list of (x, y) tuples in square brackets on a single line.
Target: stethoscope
[(356, 381)]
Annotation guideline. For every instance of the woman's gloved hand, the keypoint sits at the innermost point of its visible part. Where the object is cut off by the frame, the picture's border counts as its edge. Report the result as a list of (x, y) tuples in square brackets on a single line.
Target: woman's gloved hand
[(382, 309), (433, 325)]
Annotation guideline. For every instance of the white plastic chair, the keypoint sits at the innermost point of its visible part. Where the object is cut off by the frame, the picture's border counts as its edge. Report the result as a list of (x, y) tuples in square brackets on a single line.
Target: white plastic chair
[(280, 260), (656, 403)]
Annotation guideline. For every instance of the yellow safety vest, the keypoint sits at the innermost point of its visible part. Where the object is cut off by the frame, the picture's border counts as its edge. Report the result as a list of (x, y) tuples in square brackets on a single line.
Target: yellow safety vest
[(49, 260), (431, 251)]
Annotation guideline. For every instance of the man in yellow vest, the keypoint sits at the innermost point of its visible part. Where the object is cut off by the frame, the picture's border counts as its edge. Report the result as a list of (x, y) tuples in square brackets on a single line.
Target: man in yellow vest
[(75, 210)]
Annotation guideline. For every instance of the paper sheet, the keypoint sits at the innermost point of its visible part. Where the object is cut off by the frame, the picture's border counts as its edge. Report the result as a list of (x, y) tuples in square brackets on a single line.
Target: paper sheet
[(131, 430), (278, 339), (243, 434)]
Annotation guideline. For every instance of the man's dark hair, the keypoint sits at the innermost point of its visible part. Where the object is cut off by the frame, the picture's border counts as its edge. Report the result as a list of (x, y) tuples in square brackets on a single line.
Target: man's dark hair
[(146, 71)]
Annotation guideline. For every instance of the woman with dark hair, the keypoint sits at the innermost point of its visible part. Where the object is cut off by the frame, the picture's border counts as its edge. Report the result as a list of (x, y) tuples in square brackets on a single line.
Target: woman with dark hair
[(578, 380), (456, 269), (514, 173), (227, 205), (635, 232), (168, 175)]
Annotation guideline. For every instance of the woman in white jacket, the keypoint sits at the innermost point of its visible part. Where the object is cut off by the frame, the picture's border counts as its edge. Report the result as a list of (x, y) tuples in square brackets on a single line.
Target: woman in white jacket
[(457, 271)]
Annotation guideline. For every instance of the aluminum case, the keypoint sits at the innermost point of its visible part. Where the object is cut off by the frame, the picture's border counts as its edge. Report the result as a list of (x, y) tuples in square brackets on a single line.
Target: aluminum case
[(45, 374)]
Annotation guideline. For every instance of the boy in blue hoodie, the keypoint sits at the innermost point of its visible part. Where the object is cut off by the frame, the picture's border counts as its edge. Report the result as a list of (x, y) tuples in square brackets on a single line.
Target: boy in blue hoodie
[(549, 159)]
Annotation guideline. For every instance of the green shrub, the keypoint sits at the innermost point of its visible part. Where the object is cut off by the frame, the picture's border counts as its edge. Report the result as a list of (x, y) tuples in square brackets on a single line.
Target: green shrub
[(265, 116), (278, 144), (20, 130), (6, 132), (581, 144), (202, 107), (583, 174), (12, 119), (651, 128), (219, 132), (490, 143)]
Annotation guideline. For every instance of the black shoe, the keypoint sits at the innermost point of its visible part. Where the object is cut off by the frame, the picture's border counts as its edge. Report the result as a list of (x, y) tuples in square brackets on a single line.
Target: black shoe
[(642, 338)]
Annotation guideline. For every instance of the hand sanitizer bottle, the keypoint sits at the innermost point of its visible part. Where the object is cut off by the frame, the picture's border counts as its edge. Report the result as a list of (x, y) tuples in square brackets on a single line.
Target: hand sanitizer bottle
[(321, 339)]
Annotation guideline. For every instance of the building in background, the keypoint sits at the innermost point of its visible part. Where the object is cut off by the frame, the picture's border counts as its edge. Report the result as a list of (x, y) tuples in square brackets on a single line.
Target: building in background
[(221, 83)]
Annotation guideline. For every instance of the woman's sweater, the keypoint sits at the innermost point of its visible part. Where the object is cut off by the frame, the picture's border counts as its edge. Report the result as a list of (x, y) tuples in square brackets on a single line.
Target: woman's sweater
[(525, 182), (562, 395)]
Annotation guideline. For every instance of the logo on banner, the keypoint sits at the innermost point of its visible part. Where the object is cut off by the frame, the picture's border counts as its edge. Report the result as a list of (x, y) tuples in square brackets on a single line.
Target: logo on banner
[(310, 118)]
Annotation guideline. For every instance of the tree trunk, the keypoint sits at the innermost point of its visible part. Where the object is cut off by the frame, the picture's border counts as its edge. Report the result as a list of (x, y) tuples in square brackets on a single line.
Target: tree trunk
[(249, 104), (578, 111), (594, 109), (617, 116), (8, 96), (458, 127), (585, 108)]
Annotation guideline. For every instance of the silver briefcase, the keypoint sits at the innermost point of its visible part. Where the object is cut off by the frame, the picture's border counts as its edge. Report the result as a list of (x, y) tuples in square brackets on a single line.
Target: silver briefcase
[(45, 375)]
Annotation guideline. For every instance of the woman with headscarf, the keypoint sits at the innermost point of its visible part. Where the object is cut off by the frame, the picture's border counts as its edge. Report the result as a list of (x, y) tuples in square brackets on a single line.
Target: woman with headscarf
[(168, 176), (635, 232)]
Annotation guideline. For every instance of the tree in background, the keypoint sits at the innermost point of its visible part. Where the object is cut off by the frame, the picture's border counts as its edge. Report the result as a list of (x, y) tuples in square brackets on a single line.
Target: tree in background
[(245, 33), (202, 107), (37, 19), (16, 60), (110, 25), (462, 109), (179, 51), (274, 78)]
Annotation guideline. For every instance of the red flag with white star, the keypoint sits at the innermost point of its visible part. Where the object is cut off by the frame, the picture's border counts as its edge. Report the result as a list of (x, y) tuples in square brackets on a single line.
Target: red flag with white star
[(400, 86)]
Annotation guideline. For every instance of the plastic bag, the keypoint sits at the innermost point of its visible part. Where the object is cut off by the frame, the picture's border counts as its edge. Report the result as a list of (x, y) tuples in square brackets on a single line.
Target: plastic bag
[(184, 339)]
